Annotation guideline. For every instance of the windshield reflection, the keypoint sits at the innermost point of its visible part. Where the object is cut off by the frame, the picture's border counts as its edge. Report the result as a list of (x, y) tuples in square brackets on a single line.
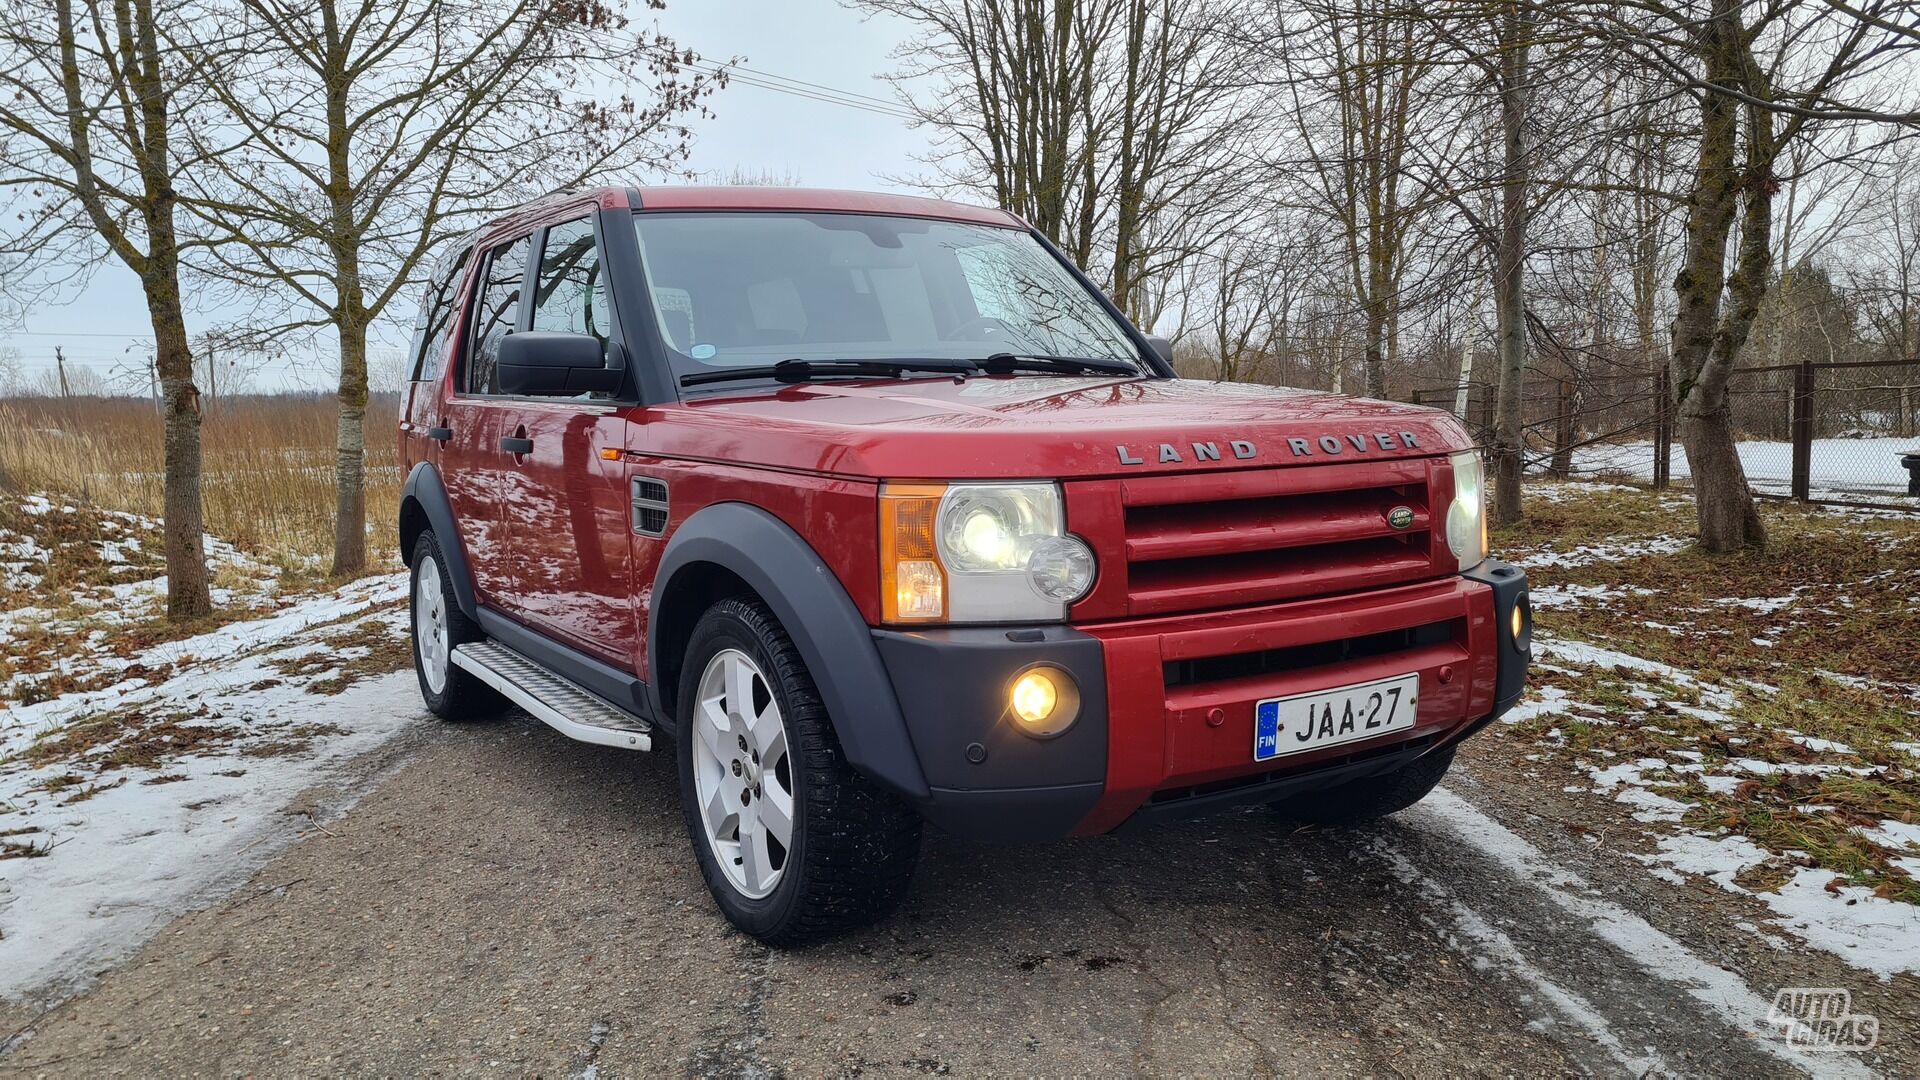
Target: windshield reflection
[(733, 289)]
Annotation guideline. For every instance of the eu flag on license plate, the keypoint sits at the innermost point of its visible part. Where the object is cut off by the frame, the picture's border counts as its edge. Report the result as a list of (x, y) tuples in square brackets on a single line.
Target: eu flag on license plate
[(1266, 729)]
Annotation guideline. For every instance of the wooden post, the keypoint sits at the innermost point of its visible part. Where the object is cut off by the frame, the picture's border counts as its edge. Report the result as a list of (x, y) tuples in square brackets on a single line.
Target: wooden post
[(1803, 430), (1662, 429)]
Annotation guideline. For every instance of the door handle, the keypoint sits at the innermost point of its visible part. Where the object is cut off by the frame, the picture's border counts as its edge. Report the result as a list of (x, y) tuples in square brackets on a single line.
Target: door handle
[(439, 434), (516, 446)]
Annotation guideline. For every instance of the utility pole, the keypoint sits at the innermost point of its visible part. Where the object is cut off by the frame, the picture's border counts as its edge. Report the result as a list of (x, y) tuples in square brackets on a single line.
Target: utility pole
[(60, 362), (213, 376), (153, 380)]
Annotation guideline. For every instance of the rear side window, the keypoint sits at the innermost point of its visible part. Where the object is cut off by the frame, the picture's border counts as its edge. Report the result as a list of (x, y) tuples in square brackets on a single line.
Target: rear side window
[(571, 294), (497, 315), (432, 329)]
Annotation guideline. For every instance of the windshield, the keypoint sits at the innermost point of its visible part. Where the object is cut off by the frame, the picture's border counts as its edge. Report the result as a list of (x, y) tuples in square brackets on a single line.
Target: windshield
[(738, 289)]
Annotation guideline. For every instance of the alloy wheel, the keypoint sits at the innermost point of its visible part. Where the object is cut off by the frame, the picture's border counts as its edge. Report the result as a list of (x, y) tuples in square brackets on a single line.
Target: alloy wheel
[(742, 774), (431, 637)]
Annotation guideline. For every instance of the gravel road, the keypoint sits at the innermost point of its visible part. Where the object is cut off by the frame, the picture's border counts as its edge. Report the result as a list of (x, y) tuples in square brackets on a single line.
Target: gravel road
[(502, 900)]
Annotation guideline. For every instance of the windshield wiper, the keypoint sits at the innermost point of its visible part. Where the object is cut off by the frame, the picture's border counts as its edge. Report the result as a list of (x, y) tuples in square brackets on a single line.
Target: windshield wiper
[(798, 371), (1006, 363)]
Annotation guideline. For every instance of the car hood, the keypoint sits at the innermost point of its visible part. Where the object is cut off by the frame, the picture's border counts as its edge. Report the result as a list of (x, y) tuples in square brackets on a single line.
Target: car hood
[(1041, 426)]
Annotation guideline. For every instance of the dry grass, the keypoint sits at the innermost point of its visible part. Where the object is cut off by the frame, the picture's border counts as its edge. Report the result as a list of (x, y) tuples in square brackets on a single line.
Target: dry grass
[(268, 465)]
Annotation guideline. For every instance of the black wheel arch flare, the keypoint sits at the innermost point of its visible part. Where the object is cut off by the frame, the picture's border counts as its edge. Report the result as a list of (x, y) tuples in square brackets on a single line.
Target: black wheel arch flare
[(766, 555), (424, 506)]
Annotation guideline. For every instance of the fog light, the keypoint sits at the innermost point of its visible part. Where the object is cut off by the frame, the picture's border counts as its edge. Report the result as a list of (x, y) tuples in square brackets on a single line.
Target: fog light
[(1044, 700), (1516, 622)]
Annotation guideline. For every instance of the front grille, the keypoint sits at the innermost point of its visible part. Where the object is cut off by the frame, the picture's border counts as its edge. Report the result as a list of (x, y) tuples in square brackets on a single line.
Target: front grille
[(1224, 539), (1214, 669)]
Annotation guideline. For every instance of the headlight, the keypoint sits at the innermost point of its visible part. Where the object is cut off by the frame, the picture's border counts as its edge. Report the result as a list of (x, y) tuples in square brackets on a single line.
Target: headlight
[(978, 553), (1467, 517)]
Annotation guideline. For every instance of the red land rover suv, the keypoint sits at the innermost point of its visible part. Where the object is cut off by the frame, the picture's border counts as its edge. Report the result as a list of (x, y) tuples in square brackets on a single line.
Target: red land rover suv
[(879, 511)]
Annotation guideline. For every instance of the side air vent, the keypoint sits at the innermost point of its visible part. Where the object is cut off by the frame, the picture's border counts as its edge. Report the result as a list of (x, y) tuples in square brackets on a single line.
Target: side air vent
[(649, 506)]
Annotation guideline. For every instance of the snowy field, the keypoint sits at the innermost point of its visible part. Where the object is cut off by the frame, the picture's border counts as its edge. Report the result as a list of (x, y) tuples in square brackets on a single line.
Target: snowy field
[(1841, 468), (138, 779)]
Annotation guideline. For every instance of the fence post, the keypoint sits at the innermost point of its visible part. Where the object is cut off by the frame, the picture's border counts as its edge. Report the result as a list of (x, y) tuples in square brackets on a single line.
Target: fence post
[(1662, 429), (1803, 430)]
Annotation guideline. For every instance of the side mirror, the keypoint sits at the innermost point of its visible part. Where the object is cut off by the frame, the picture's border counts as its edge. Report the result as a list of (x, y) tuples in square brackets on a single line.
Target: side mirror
[(1161, 348), (551, 363)]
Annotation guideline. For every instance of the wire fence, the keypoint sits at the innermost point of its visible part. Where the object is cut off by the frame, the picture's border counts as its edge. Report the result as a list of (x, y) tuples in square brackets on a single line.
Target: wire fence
[(1845, 433)]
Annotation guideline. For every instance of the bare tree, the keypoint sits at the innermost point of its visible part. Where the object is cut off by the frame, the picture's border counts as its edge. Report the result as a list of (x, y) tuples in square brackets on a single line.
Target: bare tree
[(1510, 254), (1885, 272), (1112, 126), (91, 104), (12, 371), (1764, 75), (377, 130)]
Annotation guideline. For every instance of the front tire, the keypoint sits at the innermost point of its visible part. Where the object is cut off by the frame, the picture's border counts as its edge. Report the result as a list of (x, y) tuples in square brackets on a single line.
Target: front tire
[(793, 843), (439, 627), (1373, 797)]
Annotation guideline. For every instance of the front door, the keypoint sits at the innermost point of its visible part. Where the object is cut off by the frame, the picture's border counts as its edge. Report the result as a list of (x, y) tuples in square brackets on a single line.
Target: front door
[(568, 514)]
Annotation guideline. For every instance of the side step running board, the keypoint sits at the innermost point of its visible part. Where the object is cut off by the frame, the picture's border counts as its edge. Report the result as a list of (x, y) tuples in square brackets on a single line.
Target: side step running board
[(553, 700)]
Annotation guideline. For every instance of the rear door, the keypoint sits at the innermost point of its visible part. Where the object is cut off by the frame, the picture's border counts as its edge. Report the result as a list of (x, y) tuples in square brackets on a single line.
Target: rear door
[(476, 468), (433, 336), (569, 516)]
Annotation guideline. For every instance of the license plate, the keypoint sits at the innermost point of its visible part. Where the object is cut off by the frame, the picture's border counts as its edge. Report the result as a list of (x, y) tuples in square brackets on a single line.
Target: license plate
[(1313, 721)]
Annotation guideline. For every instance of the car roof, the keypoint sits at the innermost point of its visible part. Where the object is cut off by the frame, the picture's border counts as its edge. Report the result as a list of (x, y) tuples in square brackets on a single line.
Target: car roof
[(820, 200), (732, 197)]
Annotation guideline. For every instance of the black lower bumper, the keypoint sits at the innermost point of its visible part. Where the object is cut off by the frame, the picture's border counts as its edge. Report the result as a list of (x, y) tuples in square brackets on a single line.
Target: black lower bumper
[(1509, 585), (989, 780)]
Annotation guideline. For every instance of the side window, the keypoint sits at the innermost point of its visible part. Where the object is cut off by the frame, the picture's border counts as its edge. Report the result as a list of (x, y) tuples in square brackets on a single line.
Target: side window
[(432, 329), (497, 314), (571, 292)]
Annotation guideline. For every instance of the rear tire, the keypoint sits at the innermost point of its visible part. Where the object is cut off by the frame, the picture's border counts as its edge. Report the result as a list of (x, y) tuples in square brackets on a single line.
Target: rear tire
[(439, 627), (1373, 797), (793, 844)]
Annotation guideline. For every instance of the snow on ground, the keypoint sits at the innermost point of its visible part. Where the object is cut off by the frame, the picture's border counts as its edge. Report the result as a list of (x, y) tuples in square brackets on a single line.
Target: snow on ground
[(1587, 554), (1878, 935), (128, 858), (1841, 468), (167, 771)]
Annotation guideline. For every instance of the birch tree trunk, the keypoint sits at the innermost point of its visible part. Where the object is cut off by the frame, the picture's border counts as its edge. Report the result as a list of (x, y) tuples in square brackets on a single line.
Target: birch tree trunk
[(350, 454)]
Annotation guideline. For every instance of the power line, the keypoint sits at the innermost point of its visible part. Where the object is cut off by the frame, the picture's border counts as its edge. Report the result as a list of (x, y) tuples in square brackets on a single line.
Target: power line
[(786, 84), (897, 114), (888, 103)]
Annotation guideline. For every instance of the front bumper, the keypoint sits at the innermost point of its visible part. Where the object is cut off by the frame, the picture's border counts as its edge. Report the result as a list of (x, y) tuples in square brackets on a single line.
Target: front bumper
[(1166, 724)]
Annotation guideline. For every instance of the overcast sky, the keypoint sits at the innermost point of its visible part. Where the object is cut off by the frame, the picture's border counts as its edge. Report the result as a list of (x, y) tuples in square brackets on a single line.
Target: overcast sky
[(755, 129)]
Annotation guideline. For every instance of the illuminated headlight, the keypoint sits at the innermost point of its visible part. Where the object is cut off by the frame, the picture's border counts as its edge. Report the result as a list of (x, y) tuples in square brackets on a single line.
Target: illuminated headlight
[(979, 553), (1467, 517)]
